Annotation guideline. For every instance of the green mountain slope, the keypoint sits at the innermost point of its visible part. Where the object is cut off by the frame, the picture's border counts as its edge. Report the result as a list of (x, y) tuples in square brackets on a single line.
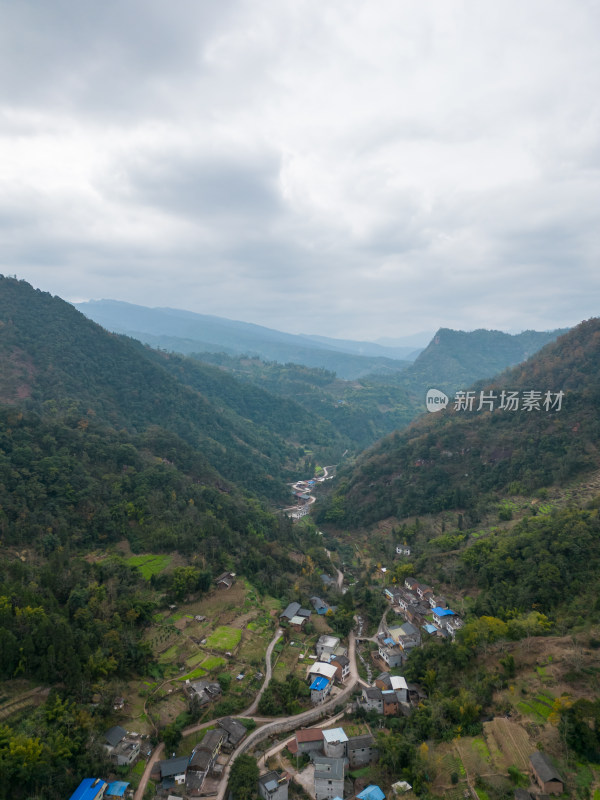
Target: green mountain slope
[(453, 360), (55, 360), (454, 459)]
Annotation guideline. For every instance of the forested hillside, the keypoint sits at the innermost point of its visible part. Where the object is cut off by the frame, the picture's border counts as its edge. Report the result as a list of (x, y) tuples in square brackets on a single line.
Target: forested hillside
[(55, 361), (361, 411), (457, 458), (454, 360)]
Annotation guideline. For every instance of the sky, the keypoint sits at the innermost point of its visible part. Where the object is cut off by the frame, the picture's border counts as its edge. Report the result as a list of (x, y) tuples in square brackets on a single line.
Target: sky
[(358, 169)]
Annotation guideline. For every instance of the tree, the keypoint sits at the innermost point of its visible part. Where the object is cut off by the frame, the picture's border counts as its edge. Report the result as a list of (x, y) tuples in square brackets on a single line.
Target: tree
[(243, 778)]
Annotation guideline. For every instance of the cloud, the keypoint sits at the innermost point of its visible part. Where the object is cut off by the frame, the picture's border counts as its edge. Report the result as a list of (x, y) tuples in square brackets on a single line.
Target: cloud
[(351, 169)]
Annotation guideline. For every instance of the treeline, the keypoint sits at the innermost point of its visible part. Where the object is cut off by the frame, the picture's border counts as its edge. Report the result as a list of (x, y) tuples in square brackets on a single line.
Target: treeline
[(548, 563), (66, 620)]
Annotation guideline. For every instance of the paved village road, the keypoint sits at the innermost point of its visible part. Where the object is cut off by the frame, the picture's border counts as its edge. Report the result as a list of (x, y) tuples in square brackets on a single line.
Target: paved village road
[(286, 724), (158, 751), (269, 671)]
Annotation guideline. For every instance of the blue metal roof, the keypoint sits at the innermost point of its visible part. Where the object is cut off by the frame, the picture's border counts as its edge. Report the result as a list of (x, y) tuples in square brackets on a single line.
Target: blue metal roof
[(430, 628), (443, 612), (116, 789), (389, 641), (319, 683), (372, 792), (88, 789)]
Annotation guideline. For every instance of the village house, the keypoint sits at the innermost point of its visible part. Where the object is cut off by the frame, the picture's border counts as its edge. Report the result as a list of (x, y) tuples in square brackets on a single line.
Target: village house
[(321, 669), (407, 599), (393, 594), (225, 581), (423, 589), (545, 774), (273, 786), (309, 740), (297, 622), (361, 750), (329, 777), (372, 792), (116, 790), (326, 646), (89, 789), (204, 692), (411, 584), (112, 737), (126, 752), (320, 689), (441, 616), (290, 612), (402, 550), (334, 743), (453, 624), (391, 653), (391, 704), (372, 699), (172, 771), (234, 730), (342, 665)]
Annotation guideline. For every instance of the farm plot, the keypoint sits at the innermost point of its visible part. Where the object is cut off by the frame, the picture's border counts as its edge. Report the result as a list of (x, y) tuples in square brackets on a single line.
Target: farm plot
[(149, 565), (539, 707), (508, 744), (475, 756), (224, 638)]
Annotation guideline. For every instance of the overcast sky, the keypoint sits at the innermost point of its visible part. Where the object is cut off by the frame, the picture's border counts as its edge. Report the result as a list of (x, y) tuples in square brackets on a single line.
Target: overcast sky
[(355, 169)]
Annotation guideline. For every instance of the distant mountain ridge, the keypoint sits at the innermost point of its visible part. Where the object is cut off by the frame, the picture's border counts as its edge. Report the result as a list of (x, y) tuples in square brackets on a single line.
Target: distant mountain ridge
[(188, 332)]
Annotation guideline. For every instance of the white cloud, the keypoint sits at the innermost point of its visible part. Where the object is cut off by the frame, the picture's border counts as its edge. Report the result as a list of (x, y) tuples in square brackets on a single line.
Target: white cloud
[(354, 169)]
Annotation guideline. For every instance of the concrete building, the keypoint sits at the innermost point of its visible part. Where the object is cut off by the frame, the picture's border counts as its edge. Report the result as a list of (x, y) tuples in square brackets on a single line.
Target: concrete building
[(326, 646), (329, 777), (361, 750), (334, 743), (320, 689), (273, 786)]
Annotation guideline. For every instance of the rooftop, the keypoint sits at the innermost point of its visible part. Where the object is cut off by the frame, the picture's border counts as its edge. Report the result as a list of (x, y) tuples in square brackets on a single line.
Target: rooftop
[(329, 768), (309, 735), (372, 792), (443, 612), (335, 735), (88, 789), (319, 683), (116, 789), (114, 735), (544, 768)]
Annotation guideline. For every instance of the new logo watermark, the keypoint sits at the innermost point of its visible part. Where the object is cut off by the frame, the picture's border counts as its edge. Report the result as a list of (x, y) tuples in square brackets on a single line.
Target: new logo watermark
[(436, 400), (532, 400)]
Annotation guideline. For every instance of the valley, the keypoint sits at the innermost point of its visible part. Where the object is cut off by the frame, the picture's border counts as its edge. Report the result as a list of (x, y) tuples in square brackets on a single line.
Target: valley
[(164, 624)]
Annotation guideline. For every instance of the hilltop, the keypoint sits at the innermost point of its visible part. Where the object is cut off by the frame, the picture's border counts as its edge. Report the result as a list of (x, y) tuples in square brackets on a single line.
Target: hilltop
[(425, 468)]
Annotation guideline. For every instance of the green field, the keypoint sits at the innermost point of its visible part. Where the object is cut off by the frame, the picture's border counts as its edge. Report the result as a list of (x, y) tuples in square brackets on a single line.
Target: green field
[(224, 638), (149, 565), (169, 654), (191, 676), (212, 662), (192, 661)]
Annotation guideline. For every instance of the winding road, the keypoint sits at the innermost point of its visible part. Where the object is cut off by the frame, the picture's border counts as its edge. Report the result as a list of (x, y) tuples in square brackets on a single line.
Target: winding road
[(271, 726)]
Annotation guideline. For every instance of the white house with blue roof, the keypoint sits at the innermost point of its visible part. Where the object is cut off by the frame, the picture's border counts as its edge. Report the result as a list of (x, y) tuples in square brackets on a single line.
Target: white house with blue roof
[(442, 615), (320, 689)]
